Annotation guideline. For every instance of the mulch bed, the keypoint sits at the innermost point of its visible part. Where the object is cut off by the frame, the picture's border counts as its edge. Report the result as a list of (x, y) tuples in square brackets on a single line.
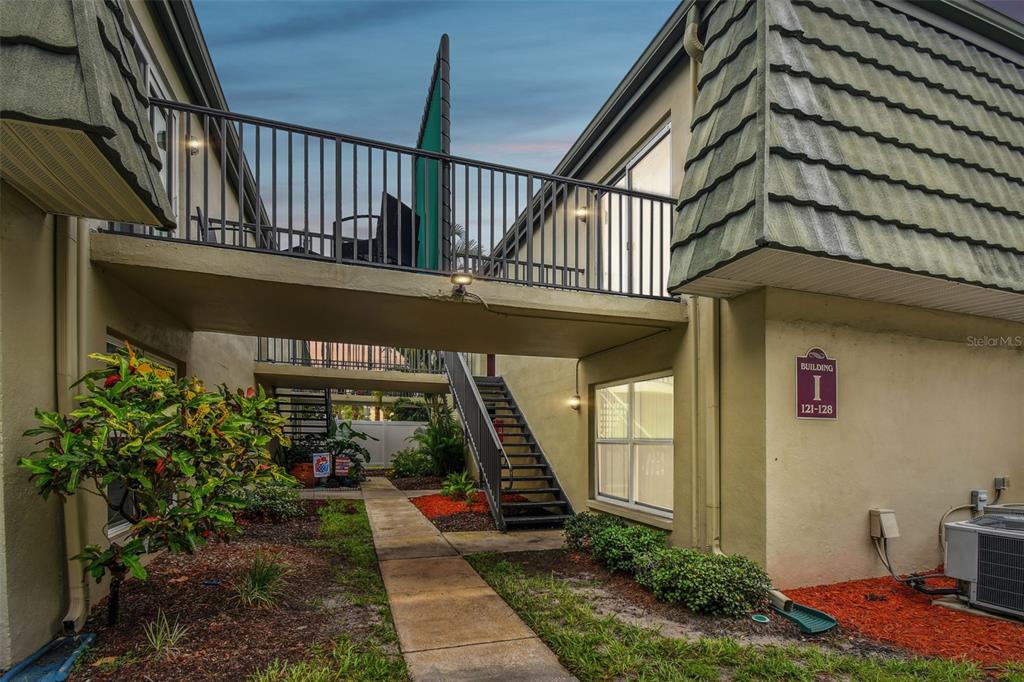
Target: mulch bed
[(417, 482), (884, 610), (464, 521), (449, 514), (225, 641)]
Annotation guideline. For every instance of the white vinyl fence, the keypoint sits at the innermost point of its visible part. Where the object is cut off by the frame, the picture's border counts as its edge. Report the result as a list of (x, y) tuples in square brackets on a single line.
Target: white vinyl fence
[(391, 437)]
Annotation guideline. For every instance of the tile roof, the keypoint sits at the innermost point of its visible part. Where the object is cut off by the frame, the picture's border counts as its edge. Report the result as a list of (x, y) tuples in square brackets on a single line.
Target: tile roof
[(71, 64), (853, 131)]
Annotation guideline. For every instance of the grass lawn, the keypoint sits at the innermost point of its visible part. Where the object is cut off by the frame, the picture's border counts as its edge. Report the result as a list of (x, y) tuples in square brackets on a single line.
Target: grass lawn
[(595, 647), (348, 537)]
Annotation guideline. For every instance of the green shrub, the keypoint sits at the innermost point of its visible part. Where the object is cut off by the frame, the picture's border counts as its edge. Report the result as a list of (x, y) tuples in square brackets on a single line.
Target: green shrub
[(263, 581), (730, 585), (162, 637), (275, 503), (441, 438), (618, 547), (580, 528), (411, 462), (458, 486)]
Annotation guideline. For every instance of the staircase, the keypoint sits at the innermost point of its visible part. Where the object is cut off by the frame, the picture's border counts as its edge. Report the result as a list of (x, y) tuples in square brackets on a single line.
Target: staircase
[(525, 471), (305, 410)]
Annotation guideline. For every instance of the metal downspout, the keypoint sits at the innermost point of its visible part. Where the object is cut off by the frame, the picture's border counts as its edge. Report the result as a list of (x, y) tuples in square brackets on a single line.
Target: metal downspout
[(712, 484), (73, 261)]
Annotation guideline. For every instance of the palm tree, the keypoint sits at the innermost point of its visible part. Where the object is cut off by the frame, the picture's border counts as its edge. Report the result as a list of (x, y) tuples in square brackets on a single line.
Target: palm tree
[(462, 245)]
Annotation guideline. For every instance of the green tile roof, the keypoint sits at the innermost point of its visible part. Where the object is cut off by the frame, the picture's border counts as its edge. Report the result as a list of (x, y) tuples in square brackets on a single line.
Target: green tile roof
[(854, 131), (71, 64)]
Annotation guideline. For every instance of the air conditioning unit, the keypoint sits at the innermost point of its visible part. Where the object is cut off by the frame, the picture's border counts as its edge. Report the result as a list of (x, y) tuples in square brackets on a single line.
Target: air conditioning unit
[(986, 556)]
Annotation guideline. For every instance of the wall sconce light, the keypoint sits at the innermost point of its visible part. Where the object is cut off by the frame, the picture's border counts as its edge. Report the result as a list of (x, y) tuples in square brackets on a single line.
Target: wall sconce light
[(461, 280), (582, 214), (193, 145), (575, 401)]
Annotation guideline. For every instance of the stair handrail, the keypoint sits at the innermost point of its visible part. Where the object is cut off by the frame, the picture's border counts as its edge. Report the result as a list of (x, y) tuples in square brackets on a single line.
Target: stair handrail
[(480, 431)]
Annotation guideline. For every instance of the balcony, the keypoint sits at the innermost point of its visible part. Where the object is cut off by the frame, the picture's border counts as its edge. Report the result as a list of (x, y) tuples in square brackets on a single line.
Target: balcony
[(323, 365), (319, 195), (290, 231)]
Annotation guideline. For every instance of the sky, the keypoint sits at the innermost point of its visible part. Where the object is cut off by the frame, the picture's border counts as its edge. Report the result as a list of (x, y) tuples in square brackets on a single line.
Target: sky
[(526, 76)]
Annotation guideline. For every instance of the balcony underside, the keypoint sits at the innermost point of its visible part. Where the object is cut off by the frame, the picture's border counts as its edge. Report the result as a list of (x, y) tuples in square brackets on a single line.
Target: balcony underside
[(297, 376), (259, 294)]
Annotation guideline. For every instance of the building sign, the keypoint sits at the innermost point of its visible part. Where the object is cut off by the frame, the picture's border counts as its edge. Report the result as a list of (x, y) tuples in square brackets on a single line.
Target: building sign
[(321, 465), (817, 386)]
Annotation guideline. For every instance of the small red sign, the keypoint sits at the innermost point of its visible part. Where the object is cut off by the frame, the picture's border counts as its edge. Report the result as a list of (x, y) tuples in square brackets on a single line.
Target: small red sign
[(817, 386)]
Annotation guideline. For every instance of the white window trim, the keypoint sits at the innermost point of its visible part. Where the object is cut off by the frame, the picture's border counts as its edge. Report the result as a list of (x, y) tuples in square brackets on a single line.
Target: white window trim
[(623, 172), (633, 159), (629, 441)]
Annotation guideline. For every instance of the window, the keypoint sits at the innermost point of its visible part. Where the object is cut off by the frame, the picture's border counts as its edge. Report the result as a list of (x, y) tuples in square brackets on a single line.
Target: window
[(633, 444), (117, 492), (162, 122), (635, 234)]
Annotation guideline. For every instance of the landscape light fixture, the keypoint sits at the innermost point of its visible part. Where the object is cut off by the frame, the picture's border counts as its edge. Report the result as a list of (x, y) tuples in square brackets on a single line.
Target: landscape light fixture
[(461, 280), (193, 145)]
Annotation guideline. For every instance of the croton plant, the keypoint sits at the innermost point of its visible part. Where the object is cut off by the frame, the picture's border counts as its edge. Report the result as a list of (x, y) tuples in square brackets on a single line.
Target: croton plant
[(182, 452)]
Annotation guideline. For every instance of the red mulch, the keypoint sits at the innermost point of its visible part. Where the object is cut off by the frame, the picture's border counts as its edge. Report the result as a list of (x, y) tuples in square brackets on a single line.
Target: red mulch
[(886, 611), (434, 506)]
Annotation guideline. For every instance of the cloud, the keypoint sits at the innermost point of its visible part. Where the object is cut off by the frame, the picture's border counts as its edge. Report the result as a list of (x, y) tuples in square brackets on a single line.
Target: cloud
[(526, 76)]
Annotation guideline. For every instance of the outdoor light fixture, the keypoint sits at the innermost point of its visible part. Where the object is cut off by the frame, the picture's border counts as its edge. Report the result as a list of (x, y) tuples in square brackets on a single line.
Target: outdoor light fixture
[(461, 280), (575, 401), (193, 145), (582, 213)]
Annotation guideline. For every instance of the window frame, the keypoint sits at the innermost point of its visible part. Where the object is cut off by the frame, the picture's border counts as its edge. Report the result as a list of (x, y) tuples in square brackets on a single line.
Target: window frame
[(630, 441), (624, 171)]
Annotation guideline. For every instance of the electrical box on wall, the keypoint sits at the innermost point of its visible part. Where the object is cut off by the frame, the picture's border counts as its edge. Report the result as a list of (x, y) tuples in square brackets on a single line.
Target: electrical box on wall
[(883, 523)]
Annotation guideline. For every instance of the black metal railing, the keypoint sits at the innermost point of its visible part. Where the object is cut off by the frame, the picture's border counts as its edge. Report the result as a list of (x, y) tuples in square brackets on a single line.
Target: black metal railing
[(259, 184), (338, 355), (480, 433)]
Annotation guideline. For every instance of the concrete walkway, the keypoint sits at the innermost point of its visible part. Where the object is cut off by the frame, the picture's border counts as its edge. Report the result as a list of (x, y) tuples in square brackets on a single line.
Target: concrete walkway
[(451, 625)]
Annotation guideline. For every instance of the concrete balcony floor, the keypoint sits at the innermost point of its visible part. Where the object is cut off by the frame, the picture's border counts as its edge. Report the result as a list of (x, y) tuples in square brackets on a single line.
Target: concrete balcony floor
[(250, 293)]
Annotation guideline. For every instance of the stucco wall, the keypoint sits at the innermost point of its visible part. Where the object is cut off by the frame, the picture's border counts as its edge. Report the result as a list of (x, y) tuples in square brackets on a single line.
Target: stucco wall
[(924, 417), (33, 565), (543, 386), (31, 569), (564, 241), (222, 359)]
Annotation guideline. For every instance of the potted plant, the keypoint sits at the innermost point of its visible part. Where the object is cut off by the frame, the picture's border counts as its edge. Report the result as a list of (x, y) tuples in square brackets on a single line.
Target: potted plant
[(345, 441), (299, 458)]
